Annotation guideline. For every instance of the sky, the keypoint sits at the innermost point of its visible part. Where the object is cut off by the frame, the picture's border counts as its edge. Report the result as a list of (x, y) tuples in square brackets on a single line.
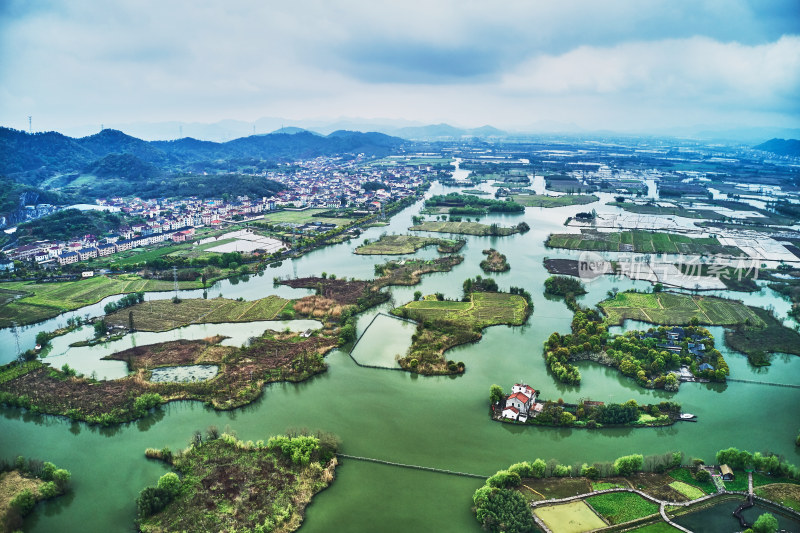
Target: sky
[(627, 66)]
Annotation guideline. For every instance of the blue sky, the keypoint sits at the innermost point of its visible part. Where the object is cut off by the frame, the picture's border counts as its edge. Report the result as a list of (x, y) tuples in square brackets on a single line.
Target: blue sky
[(626, 66)]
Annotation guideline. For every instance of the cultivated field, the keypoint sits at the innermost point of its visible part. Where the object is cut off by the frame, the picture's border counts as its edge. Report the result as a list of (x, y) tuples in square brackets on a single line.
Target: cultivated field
[(464, 228), (620, 507), (669, 308), (46, 300), (641, 242), (573, 517), (484, 309), (404, 244), (163, 315), (543, 200)]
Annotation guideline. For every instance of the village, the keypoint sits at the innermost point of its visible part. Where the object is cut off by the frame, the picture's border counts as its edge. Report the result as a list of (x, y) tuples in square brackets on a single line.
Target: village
[(325, 182)]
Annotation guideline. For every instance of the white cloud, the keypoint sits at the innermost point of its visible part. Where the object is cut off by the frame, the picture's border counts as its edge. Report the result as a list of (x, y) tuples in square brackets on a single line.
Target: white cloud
[(696, 69)]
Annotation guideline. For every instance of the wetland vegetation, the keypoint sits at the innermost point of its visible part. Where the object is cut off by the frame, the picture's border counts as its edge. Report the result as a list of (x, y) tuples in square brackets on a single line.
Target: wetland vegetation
[(226, 484), (406, 244)]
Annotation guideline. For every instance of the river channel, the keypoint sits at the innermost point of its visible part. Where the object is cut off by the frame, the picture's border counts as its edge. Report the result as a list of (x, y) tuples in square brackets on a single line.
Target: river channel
[(430, 421)]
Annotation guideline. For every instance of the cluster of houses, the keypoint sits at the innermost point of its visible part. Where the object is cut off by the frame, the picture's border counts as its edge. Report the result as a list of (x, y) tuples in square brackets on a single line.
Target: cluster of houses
[(521, 403), (322, 182), (676, 337)]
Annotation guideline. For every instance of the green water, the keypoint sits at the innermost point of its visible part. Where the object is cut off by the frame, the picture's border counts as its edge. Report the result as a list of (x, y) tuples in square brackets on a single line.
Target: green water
[(431, 421), (385, 340)]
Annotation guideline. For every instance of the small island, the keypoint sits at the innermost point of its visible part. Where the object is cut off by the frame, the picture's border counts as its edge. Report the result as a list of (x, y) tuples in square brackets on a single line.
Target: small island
[(470, 228), (223, 484), (494, 262), (443, 324), (547, 201), (406, 244), (523, 406), (463, 204)]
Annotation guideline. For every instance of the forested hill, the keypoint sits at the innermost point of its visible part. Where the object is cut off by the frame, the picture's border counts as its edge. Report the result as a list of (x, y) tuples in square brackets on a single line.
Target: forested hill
[(32, 158), (790, 147)]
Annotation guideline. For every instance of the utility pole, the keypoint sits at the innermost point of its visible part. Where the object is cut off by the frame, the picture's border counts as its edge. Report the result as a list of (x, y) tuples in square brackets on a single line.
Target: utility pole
[(30, 124), (175, 279), (16, 336)]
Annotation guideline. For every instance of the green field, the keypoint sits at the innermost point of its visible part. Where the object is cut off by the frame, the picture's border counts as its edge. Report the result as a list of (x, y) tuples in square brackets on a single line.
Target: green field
[(687, 490), (163, 315), (464, 228), (573, 517), (485, 309), (303, 217), (668, 308), (46, 300), (400, 244), (685, 476), (543, 200), (620, 507), (640, 241)]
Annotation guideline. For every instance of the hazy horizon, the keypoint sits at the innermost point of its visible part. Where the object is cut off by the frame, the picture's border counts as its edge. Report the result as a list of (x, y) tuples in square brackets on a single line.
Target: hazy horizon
[(617, 66)]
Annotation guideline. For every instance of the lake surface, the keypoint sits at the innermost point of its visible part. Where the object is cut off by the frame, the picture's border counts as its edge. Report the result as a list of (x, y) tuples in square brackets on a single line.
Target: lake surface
[(431, 421)]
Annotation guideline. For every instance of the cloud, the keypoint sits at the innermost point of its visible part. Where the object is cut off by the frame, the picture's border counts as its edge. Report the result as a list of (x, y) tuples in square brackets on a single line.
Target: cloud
[(697, 70), (84, 62)]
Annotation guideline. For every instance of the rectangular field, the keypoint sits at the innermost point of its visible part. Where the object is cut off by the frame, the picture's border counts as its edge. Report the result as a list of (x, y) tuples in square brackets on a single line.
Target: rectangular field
[(303, 217), (621, 507), (573, 517), (641, 241)]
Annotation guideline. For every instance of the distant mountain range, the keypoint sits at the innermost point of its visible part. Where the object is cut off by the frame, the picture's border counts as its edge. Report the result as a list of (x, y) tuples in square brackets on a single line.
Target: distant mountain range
[(33, 158), (790, 147)]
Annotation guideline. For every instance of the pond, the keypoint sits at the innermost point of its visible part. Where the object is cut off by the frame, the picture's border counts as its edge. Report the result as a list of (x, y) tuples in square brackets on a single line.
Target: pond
[(183, 374), (719, 518)]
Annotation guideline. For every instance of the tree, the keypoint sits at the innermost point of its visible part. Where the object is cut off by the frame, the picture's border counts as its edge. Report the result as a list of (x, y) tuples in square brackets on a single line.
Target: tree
[(502, 510), (24, 502), (99, 328), (702, 475), (42, 339), (538, 468), (61, 478), (170, 482), (766, 523), (417, 295), (628, 464), (496, 393)]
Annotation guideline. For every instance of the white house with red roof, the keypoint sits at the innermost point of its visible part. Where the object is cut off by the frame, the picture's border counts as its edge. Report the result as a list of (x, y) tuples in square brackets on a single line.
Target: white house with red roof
[(520, 403)]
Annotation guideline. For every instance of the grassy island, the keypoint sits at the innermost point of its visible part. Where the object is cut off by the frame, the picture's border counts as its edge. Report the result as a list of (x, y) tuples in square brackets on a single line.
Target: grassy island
[(671, 308), (25, 483), (470, 228), (640, 241), (544, 200), (443, 324), (464, 204), (224, 484), (408, 272), (494, 262), (406, 244)]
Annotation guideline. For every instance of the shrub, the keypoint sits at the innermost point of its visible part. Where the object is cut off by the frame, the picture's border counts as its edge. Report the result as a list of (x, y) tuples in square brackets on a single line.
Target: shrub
[(61, 478), (504, 479), (48, 490), (170, 483), (538, 468), (23, 503), (150, 501), (628, 464), (702, 475)]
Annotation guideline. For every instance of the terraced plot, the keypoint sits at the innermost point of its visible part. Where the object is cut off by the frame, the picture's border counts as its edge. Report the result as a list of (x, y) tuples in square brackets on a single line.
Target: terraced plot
[(33, 302), (163, 315), (676, 309)]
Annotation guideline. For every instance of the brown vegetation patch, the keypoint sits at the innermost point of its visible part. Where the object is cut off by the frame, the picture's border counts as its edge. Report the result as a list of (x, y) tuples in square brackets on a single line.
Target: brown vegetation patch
[(173, 353), (11, 484), (494, 262), (341, 291), (409, 272)]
